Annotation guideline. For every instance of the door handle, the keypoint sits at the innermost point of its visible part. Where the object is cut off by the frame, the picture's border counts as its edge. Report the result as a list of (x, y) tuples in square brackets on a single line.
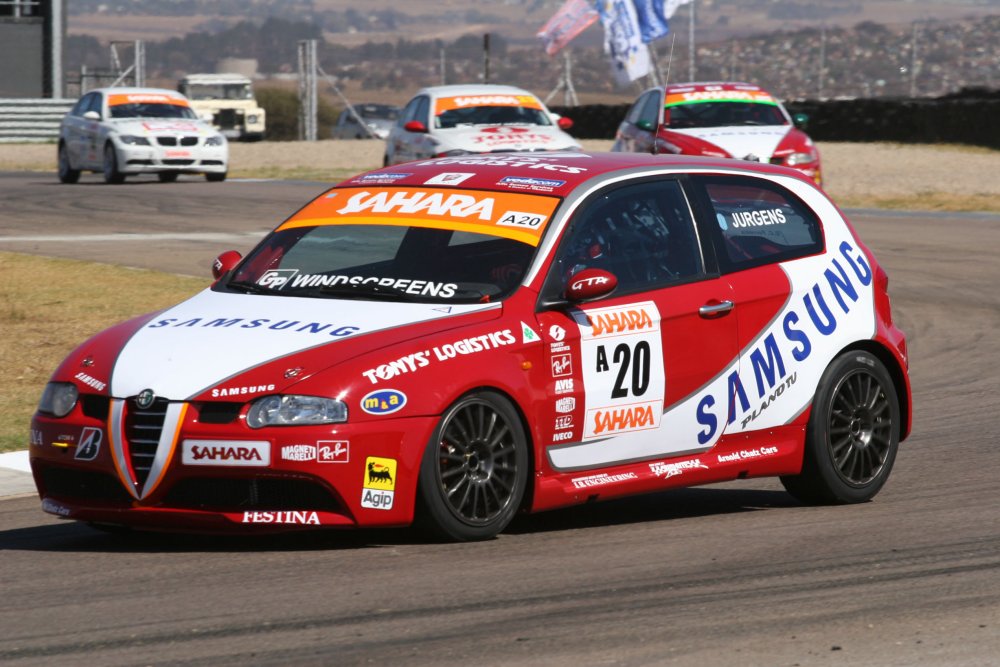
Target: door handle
[(715, 309)]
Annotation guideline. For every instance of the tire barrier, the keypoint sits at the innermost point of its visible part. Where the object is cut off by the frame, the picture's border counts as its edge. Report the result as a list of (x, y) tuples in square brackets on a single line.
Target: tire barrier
[(967, 117)]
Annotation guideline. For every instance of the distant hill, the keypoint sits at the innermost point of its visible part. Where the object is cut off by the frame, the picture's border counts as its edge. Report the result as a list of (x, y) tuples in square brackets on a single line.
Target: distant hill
[(796, 48)]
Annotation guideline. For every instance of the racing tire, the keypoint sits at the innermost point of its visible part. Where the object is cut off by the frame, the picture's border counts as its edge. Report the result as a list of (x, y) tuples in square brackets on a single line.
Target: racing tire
[(215, 177), (852, 436), (167, 176), (475, 469), (67, 174), (110, 166)]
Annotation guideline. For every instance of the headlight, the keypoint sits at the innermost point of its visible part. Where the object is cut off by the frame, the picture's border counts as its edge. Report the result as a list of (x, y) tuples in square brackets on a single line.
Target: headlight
[(800, 158), (215, 140), (133, 140), (295, 411), (58, 398)]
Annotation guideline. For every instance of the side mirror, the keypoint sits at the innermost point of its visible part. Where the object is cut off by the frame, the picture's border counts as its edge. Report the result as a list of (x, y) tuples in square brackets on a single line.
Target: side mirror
[(800, 120), (564, 123), (92, 115), (590, 284), (225, 263), (643, 124), (415, 126)]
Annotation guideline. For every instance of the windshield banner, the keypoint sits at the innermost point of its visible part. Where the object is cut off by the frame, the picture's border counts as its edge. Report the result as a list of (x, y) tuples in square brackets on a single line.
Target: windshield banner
[(512, 215), (144, 98), (697, 96), (443, 104)]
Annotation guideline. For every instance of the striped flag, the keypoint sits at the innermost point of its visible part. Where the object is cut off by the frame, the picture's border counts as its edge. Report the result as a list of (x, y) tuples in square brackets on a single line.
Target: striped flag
[(570, 20)]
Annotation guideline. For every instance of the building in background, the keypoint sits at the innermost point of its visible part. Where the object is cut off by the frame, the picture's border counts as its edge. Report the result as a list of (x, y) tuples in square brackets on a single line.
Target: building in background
[(32, 37)]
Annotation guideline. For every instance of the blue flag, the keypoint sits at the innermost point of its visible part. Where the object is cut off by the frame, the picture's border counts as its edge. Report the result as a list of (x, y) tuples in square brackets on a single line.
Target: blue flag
[(652, 19)]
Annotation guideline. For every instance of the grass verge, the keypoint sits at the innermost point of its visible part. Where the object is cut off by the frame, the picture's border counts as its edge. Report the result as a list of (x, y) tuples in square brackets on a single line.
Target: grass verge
[(48, 307)]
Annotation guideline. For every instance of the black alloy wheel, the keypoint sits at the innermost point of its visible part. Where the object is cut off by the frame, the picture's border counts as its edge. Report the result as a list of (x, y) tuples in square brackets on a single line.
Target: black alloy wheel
[(112, 175), (853, 433), (475, 469), (67, 174)]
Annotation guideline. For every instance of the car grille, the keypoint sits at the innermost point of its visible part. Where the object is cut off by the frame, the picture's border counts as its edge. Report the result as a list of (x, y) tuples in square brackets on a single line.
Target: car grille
[(167, 141), (83, 486), (178, 163), (189, 141), (224, 494), (142, 435), (226, 118)]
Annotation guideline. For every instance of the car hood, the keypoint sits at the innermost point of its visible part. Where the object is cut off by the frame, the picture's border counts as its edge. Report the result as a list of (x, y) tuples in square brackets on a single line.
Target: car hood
[(161, 126), (486, 138), (742, 140), (214, 336)]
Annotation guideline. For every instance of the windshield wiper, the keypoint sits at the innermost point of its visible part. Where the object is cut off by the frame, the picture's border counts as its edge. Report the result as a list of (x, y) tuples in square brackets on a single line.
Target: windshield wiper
[(248, 287), (367, 291)]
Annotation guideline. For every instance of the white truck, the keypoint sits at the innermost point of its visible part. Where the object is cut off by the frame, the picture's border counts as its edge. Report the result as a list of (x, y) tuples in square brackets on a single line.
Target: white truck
[(226, 101)]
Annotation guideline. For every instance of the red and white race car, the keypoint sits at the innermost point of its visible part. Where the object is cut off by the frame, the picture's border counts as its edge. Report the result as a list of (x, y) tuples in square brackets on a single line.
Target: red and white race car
[(445, 121), (465, 338), (735, 120)]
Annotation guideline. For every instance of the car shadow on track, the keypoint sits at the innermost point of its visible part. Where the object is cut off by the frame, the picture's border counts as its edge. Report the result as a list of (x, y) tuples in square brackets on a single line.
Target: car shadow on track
[(664, 506)]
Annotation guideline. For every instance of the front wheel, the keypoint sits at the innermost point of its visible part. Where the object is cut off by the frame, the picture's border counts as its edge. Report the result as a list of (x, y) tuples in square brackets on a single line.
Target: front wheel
[(111, 173), (475, 469), (167, 176), (215, 177), (852, 436), (67, 174)]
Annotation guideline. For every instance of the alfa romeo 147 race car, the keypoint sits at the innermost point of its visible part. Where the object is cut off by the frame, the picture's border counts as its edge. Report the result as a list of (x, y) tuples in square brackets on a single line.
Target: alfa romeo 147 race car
[(446, 121), (735, 120), (122, 132), (460, 339)]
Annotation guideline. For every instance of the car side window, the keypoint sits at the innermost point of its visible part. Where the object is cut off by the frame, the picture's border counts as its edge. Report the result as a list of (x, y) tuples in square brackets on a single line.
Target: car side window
[(423, 110), (634, 114), (96, 102), (409, 112), (81, 105), (642, 233), (651, 108), (758, 222)]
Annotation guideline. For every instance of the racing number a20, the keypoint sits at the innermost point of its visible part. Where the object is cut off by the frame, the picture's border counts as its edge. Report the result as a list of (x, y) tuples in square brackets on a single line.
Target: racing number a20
[(634, 363)]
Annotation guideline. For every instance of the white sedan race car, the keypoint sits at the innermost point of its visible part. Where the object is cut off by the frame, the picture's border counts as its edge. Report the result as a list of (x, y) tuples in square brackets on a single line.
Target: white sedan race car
[(121, 132), (445, 121)]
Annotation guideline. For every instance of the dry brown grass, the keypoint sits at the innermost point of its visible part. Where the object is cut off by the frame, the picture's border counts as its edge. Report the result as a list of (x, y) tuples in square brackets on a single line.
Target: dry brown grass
[(48, 307)]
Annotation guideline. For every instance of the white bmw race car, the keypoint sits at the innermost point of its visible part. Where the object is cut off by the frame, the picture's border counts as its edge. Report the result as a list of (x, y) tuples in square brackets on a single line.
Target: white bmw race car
[(445, 121), (122, 132)]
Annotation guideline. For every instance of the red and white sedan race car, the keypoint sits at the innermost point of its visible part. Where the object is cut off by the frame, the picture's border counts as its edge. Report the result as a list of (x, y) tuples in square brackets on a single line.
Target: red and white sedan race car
[(445, 121), (735, 120), (465, 338)]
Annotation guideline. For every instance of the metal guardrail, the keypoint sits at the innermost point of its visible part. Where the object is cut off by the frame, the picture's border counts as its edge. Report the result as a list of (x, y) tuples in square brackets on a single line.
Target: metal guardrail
[(31, 120)]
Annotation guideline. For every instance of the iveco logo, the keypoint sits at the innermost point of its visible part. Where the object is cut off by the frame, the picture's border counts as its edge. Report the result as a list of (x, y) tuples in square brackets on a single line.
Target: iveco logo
[(145, 398)]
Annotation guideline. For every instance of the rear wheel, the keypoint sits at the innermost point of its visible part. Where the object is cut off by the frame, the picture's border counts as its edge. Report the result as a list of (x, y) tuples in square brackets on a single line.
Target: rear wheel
[(67, 174), (111, 173), (167, 176), (215, 177), (475, 469), (852, 436)]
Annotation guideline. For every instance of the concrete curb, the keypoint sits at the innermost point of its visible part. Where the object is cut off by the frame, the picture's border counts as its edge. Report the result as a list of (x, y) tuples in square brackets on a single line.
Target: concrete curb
[(15, 474)]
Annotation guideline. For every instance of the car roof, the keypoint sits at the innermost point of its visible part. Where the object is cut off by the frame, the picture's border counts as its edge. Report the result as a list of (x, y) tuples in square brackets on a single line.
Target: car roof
[(714, 85), (473, 89), (549, 173), (216, 78)]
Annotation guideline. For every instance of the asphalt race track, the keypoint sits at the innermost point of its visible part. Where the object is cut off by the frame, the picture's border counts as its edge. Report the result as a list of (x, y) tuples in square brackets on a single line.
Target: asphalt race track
[(734, 574)]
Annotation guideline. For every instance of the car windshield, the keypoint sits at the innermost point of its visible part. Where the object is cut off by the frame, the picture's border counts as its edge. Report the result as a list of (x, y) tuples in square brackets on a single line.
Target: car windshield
[(151, 110), (218, 91), (719, 114), (373, 111), (465, 110), (426, 256)]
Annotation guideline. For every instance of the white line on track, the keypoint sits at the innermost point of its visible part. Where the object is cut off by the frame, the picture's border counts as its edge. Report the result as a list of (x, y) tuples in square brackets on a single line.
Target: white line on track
[(15, 461), (101, 238)]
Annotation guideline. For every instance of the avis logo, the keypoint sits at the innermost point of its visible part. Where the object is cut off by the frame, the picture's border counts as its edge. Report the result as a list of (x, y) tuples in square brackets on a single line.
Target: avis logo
[(564, 386), (90, 444), (383, 402), (276, 278)]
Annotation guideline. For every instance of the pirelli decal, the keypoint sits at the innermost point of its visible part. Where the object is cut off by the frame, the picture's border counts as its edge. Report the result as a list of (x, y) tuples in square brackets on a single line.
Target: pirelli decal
[(517, 216)]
